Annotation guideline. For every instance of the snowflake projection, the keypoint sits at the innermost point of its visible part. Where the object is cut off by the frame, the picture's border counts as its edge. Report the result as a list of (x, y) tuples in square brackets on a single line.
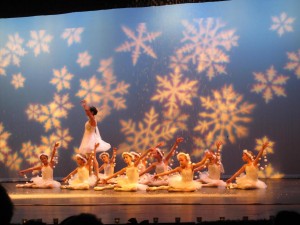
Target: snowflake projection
[(14, 50), (177, 118), (4, 61), (63, 137), (39, 42), (260, 142), (61, 79), (27, 149), (178, 62), (225, 115), (84, 59), (201, 144), (282, 24), (18, 81), (73, 35), (104, 91), (7, 157), (142, 135), (173, 91), (138, 42), (33, 111), (49, 117), (269, 172), (61, 105), (294, 63), (206, 45), (269, 84)]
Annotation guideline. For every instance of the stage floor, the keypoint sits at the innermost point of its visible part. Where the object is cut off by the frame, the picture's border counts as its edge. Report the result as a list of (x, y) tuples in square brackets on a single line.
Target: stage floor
[(208, 204)]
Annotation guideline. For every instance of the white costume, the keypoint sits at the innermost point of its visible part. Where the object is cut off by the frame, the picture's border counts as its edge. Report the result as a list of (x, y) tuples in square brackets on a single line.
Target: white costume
[(90, 137)]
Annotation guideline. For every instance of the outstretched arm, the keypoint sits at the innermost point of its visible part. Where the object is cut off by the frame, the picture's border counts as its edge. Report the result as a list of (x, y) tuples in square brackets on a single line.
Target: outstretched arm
[(69, 175), (264, 146), (114, 175), (88, 113), (178, 140), (22, 172), (147, 170), (242, 169), (177, 169)]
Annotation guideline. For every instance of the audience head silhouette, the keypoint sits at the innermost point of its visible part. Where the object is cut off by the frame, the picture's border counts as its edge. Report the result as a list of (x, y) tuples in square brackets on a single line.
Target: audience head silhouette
[(83, 218), (6, 207)]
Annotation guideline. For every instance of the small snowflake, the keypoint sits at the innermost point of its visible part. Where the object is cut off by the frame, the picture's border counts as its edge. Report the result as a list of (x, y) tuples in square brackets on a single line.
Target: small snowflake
[(269, 84), (61, 105), (39, 42), (72, 34), (294, 63), (4, 61), (138, 42), (18, 80), (33, 111), (178, 62), (282, 24), (63, 137), (48, 117), (15, 49), (61, 79), (84, 59)]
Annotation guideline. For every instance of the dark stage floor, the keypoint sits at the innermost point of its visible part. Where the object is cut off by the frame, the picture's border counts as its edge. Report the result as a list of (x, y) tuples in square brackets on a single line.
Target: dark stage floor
[(208, 203)]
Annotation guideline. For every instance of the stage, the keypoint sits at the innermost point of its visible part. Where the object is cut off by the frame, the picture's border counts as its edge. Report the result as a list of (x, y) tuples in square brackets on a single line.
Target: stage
[(207, 204)]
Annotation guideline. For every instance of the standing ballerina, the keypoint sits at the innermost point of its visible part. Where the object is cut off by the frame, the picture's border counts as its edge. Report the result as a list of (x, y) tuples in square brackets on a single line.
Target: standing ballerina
[(80, 178), (46, 180), (160, 165), (129, 182), (249, 179), (212, 177), (184, 181), (108, 165), (92, 136)]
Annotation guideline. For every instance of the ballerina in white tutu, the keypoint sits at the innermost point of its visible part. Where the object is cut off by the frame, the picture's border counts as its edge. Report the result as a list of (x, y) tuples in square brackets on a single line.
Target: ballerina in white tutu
[(92, 136), (80, 178), (184, 180), (160, 165), (46, 180), (213, 163), (247, 176), (108, 166), (129, 181)]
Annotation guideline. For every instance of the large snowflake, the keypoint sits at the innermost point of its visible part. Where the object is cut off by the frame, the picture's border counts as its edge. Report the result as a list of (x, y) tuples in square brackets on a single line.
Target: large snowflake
[(49, 116), (39, 42), (225, 115), (106, 92), (138, 42), (72, 35), (206, 44), (294, 63), (63, 137), (61, 79), (143, 135), (14, 49), (282, 24), (174, 91), (269, 84), (61, 105)]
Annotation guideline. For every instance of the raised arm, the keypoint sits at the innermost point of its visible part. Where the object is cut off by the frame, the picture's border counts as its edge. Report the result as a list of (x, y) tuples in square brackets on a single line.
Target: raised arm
[(92, 156), (178, 140), (53, 153), (113, 157), (264, 146), (145, 153), (86, 108)]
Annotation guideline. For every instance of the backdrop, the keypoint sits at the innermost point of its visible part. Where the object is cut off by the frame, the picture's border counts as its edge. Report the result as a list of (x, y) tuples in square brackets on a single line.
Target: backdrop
[(219, 71)]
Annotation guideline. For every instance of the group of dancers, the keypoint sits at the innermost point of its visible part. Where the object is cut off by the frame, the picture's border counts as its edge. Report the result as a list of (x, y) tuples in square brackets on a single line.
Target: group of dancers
[(137, 174)]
